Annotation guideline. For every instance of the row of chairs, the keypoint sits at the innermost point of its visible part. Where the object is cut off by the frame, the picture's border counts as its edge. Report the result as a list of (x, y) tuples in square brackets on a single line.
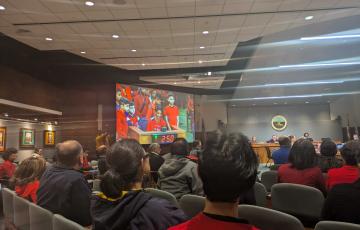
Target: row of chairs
[(25, 215)]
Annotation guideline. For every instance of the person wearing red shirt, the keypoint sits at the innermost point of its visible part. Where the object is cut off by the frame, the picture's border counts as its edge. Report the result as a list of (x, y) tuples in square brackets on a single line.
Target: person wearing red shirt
[(121, 122), (7, 168), (302, 168), (348, 173), (158, 123), (142, 102), (171, 113), (228, 168), (27, 175)]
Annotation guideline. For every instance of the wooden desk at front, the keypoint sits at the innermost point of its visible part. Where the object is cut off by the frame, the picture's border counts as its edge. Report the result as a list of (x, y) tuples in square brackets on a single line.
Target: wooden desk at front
[(260, 150)]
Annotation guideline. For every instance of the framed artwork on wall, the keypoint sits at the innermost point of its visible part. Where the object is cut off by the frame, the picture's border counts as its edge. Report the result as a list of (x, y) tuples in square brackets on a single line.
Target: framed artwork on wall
[(49, 138), (2, 139), (27, 138)]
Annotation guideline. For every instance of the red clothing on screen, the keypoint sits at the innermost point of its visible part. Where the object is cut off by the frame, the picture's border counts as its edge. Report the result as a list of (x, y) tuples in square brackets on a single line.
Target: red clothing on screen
[(121, 124), (203, 221), (141, 105), (172, 113), (28, 191), (311, 176), (344, 175), (154, 125), (7, 169)]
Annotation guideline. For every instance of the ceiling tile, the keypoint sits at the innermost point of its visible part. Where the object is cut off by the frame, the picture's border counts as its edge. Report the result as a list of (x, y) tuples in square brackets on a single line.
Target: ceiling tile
[(108, 27), (125, 13), (98, 15), (159, 24), (18, 18), (321, 4), (36, 30), (257, 20), (265, 5), (59, 29), (83, 27), (208, 10), (243, 7), (132, 25), (71, 16), (60, 6), (180, 3), (209, 2), (207, 23), (231, 22), (153, 12), (294, 5), (150, 4), (181, 11)]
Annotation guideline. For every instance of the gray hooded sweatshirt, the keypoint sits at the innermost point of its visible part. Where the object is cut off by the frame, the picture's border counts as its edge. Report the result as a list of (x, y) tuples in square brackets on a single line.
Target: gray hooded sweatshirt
[(179, 176)]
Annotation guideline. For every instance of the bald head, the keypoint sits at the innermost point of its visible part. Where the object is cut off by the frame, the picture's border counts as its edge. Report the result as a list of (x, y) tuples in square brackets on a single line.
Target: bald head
[(68, 153)]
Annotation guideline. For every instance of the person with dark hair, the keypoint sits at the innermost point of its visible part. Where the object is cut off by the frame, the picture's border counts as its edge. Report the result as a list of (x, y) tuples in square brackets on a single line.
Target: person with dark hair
[(158, 123), (302, 168), (123, 204), (228, 168), (7, 168), (274, 139), (343, 200), (26, 177), (178, 175), (348, 173), (281, 155), (101, 154), (196, 148), (327, 158), (63, 188), (155, 160)]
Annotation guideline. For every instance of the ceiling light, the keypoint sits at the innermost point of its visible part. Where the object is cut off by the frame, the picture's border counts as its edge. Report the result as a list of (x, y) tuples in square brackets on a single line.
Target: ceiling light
[(275, 103), (209, 73), (6, 115), (89, 3), (199, 82), (2, 7), (55, 122), (233, 105), (200, 61), (35, 119), (83, 52), (309, 17), (115, 36), (307, 102), (174, 83), (133, 50), (48, 39), (205, 32), (330, 37), (202, 47), (143, 64)]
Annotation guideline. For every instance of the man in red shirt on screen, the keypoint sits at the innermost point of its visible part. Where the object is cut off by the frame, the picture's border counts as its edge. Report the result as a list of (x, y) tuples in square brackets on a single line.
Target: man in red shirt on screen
[(158, 123), (171, 113), (121, 121)]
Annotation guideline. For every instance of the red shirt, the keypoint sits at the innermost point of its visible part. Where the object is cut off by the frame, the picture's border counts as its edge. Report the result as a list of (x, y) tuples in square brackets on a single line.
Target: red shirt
[(142, 105), (154, 125), (344, 175), (311, 176), (121, 124), (203, 221), (28, 191), (172, 113), (7, 169)]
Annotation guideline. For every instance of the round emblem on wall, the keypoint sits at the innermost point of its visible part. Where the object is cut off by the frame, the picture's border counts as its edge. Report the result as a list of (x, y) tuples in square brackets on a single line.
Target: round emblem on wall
[(279, 123)]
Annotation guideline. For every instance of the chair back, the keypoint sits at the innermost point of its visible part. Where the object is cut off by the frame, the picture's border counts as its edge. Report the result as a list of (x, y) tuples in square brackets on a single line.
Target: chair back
[(335, 225), (260, 194), (21, 213), (269, 178), (40, 218), (268, 219), (298, 200), (61, 223), (192, 204), (163, 195), (96, 185), (8, 204)]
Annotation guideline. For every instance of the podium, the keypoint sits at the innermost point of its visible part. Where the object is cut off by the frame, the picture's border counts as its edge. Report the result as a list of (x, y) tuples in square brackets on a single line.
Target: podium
[(260, 150), (148, 137)]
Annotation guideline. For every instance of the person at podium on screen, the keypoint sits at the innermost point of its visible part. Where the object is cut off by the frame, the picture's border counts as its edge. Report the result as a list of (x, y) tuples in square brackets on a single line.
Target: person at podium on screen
[(171, 113), (157, 124)]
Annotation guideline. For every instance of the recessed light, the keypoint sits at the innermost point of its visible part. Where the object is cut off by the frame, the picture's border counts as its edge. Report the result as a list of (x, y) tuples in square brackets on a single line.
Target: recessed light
[(2, 7), (6, 115), (89, 3), (209, 73), (174, 83), (133, 50), (307, 102), (48, 39), (83, 52), (205, 32), (200, 61), (202, 47), (233, 105), (35, 119), (275, 103), (115, 36), (309, 17), (143, 64)]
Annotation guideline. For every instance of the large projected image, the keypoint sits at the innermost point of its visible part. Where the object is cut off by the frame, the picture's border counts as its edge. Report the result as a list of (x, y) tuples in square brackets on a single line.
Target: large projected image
[(153, 115)]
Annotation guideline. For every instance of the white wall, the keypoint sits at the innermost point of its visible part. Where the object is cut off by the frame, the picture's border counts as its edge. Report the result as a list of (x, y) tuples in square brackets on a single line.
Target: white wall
[(347, 106), (12, 137)]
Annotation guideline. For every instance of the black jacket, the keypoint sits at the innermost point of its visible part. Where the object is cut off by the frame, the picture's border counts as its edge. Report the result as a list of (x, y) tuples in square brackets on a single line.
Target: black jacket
[(342, 203), (65, 191), (136, 210)]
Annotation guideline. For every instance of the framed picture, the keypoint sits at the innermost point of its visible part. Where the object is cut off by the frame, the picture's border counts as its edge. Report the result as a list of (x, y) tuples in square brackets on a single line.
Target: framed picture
[(2, 139), (27, 138), (49, 138)]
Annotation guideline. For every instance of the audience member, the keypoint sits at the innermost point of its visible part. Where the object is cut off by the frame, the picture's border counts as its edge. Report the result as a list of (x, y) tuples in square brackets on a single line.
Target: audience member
[(302, 168), (196, 148), (343, 201), (253, 140), (228, 168), (26, 177), (7, 168), (348, 173), (85, 161), (292, 139), (281, 155), (63, 189), (178, 175), (155, 160), (327, 158), (355, 137), (102, 164), (123, 204)]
